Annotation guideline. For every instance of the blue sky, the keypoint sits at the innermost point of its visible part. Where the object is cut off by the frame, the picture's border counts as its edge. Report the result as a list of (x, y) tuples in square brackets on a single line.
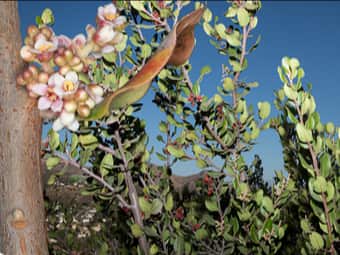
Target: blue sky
[(308, 30)]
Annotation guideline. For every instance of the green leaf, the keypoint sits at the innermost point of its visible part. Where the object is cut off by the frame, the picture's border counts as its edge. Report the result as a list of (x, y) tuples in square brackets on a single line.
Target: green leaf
[(242, 17), (88, 141), (305, 225), (267, 204), (136, 230), (156, 206), (264, 109), (51, 179), (154, 249), (290, 92), (169, 202), (330, 128), (106, 164), (145, 205), (110, 57), (54, 139), (211, 205), (207, 15), (330, 191), (325, 164), (138, 5), (201, 234), (304, 134), (146, 51), (231, 12), (38, 21), (176, 152), (52, 162), (47, 17), (228, 84), (233, 40), (205, 70), (316, 241)]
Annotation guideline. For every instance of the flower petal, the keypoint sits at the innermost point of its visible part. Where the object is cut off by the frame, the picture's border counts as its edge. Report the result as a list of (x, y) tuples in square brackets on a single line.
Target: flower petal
[(72, 76), (79, 40), (108, 49), (57, 105), (74, 126), (64, 41), (39, 89), (57, 125), (56, 79), (44, 103), (119, 21), (59, 91), (67, 118)]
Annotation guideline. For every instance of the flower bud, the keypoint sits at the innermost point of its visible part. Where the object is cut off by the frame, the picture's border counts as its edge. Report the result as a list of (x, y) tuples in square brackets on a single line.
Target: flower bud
[(90, 103), (34, 71), (70, 106), (45, 56), (64, 70), (27, 75), (26, 54), (78, 68), (74, 61), (68, 55), (47, 32), (43, 77), (60, 61), (32, 94), (32, 30), (83, 110), (28, 41), (96, 89), (81, 95)]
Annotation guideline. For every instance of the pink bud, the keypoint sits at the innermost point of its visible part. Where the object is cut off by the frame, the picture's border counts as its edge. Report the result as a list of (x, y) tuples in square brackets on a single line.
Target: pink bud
[(26, 54), (81, 95), (70, 106), (83, 110)]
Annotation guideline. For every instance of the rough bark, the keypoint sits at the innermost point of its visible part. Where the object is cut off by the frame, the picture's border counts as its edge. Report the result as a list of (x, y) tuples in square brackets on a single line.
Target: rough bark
[(22, 219)]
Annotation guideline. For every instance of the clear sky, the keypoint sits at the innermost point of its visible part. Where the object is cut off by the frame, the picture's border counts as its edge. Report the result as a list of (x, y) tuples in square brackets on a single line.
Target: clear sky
[(308, 30)]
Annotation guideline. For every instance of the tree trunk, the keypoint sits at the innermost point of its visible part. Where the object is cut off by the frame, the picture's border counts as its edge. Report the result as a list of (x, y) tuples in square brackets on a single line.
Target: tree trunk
[(22, 219)]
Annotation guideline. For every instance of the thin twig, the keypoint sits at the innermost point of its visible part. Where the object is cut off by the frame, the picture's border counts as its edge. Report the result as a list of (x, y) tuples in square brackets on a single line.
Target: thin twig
[(86, 171)]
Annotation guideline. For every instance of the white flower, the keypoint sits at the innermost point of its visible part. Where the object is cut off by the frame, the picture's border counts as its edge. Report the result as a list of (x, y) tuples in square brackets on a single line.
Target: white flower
[(107, 13), (66, 119), (104, 35), (42, 45), (65, 85)]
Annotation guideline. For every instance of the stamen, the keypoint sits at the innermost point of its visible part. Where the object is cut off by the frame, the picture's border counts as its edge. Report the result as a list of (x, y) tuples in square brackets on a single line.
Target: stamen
[(68, 85)]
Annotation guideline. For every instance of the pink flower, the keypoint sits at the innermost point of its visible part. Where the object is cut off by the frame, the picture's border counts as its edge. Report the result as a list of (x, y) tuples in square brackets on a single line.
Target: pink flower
[(64, 85), (49, 98), (42, 45), (104, 35), (108, 15), (79, 40), (63, 41)]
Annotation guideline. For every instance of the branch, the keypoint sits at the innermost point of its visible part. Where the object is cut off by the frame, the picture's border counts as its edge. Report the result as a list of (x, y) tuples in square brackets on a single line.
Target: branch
[(86, 171), (215, 136), (317, 172), (133, 195)]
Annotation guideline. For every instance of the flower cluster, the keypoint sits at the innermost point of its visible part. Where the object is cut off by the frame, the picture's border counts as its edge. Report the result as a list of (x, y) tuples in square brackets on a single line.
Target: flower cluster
[(56, 63)]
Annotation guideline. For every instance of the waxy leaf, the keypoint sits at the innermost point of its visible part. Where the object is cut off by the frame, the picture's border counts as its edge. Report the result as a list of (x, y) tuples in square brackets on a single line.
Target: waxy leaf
[(175, 50)]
